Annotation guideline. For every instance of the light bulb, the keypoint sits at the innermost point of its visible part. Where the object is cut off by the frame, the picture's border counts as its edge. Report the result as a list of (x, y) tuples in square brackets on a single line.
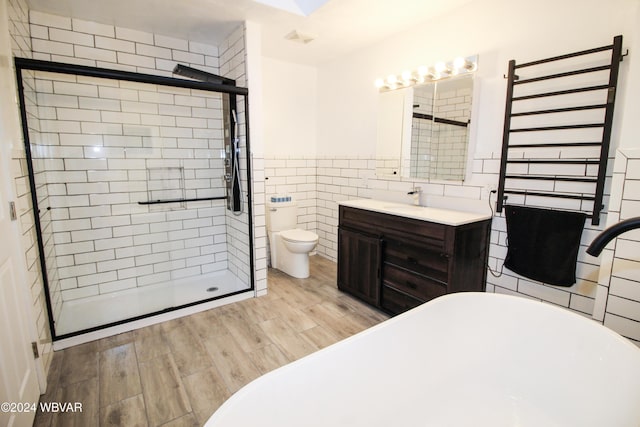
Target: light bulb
[(434, 73), (459, 63), (422, 74)]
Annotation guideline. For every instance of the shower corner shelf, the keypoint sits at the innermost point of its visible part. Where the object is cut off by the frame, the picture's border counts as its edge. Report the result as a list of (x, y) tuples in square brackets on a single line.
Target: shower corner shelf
[(541, 174)]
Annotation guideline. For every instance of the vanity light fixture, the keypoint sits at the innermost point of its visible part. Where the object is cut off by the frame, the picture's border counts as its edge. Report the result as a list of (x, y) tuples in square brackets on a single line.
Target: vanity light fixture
[(424, 74)]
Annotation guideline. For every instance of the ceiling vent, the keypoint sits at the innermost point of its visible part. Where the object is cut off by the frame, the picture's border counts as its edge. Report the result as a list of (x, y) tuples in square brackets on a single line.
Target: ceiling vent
[(297, 36)]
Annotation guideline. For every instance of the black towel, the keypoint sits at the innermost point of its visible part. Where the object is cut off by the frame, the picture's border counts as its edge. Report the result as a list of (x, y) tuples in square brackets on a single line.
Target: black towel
[(543, 244)]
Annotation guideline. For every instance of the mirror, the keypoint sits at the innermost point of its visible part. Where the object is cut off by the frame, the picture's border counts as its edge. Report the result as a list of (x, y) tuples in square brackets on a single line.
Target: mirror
[(423, 130)]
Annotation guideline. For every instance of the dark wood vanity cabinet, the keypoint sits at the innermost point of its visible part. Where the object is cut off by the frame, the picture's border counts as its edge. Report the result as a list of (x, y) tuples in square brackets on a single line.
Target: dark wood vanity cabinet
[(362, 278), (397, 263)]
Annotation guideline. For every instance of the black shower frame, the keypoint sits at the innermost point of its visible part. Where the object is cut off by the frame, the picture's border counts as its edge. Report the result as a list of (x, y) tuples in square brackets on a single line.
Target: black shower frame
[(83, 70)]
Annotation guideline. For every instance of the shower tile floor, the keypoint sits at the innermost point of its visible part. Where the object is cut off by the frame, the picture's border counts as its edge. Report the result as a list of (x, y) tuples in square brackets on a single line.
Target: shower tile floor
[(109, 308), (177, 373)]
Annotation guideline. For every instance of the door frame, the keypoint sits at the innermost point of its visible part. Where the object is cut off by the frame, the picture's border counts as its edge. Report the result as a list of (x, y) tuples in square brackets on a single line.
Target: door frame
[(12, 140)]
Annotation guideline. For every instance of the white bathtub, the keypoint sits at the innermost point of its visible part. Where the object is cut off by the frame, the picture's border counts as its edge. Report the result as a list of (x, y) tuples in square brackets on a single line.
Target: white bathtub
[(467, 359)]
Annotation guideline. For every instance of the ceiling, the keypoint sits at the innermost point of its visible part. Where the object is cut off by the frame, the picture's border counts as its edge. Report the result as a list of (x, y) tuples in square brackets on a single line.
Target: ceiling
[(337, 26)]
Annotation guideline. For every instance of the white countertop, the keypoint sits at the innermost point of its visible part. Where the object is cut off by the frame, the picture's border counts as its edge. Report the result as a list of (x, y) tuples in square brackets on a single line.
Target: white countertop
[(424, 213)]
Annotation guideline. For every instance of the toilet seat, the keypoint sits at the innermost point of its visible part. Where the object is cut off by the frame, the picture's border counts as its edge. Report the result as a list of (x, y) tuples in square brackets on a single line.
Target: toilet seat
[(298, 235)]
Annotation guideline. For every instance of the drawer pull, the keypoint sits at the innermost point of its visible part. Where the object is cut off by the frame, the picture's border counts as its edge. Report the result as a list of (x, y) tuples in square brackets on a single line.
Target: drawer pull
[(411, 285)]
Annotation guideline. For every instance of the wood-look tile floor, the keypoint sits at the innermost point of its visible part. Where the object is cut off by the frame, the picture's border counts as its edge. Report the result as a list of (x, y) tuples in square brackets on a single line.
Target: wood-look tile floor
[(179, 372)]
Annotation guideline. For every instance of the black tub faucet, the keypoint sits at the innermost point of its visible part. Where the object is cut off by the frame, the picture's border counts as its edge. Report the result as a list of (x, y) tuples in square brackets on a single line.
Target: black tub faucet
[(610, 233)]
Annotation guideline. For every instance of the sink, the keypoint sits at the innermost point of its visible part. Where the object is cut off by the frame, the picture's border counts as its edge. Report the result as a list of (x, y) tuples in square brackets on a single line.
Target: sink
[(404, 208), (424, 213)]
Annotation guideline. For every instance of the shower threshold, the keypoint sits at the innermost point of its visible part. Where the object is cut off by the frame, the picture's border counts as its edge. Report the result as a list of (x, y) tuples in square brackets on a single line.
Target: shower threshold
[(107, 309)]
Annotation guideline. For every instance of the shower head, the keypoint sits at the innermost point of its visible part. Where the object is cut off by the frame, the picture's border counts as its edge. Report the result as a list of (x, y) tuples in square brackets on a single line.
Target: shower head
[(203, 76)]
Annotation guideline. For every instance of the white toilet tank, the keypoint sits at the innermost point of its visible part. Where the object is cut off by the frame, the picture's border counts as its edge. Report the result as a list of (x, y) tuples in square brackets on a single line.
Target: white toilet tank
[(282, 216), (289, 246)]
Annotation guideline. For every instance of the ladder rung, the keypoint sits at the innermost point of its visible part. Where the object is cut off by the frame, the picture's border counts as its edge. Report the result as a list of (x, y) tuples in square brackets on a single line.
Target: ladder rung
[(560, 110), (557, 144), (555, 161), (564, 127), (567, 56), (553, 178), (565, 74), (560, 92), (554, 195)]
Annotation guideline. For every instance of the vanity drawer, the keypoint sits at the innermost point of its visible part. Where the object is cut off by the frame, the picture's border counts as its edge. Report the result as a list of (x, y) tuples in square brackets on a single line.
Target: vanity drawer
[(396, 302), (418, 259), (427, 234), (416, 285)]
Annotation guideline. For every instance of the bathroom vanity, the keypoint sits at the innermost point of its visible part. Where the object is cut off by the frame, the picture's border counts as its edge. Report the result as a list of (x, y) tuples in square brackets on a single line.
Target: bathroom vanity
[(397, 256)]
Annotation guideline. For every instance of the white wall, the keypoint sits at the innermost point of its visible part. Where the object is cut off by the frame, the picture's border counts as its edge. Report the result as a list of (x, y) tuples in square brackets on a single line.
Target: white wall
[(630, 132), (289, 120), (20, 36), (497, 30), (618, 298)]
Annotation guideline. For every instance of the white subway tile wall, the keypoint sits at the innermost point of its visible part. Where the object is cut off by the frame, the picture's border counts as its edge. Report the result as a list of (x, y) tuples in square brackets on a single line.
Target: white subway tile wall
[(421, 132), (580, 297), (449, 142), (100, 139), (619, 283), (103, 177), (439, 150), (63, 39), (232, 60), (338, 179)]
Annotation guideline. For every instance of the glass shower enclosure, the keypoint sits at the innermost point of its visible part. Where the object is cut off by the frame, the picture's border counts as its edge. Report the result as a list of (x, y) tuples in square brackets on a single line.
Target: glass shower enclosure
[(140, 186)]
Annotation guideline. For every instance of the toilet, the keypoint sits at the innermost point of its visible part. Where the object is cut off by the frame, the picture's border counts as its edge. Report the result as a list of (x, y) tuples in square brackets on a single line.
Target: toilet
[(290, 246)]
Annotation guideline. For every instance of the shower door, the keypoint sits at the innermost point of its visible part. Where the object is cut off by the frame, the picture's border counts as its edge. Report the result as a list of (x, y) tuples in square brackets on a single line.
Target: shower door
[(129, 179)]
